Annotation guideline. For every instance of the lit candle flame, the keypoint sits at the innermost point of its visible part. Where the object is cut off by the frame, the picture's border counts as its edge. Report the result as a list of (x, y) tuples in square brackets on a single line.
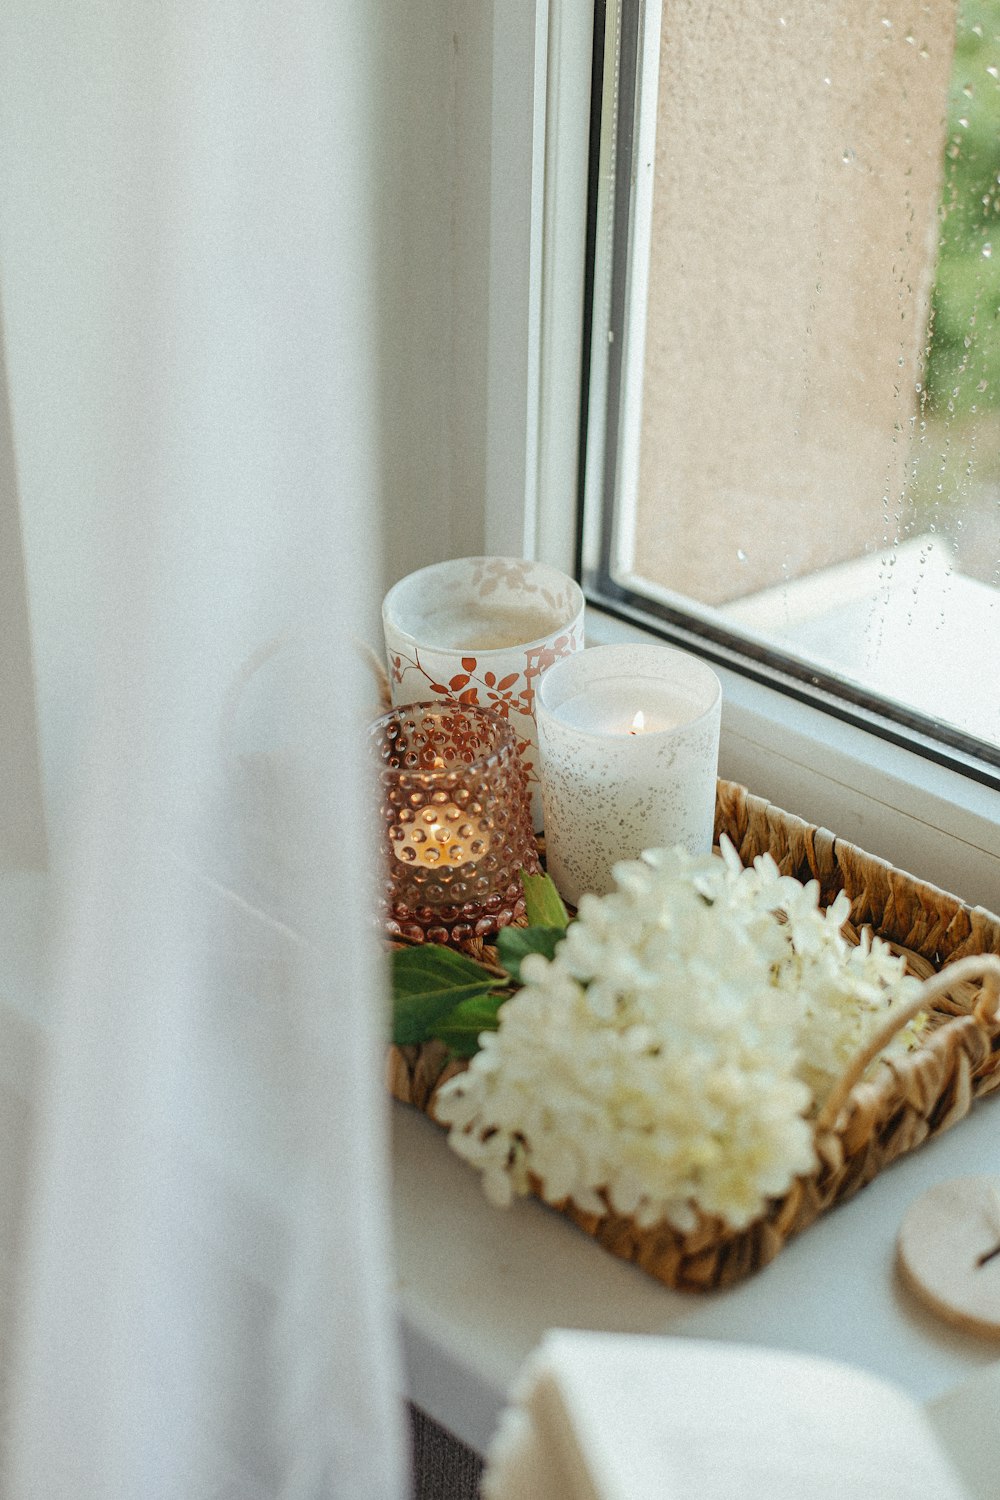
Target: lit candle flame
[(638, 723)]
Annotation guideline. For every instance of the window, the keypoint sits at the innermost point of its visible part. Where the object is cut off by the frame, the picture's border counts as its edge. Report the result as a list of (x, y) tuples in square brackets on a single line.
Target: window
[(931, 818), (792, 457)]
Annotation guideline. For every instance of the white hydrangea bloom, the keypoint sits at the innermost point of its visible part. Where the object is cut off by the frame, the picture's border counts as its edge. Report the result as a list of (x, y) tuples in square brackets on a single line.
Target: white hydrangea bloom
[(671, 1053)]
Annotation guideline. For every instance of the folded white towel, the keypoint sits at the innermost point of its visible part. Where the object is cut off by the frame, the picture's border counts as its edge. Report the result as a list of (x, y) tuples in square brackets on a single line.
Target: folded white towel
[(599, 1416)]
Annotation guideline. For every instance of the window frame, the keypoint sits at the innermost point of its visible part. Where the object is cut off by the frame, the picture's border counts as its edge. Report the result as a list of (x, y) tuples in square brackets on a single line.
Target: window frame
[(925, 817), (621, 202)]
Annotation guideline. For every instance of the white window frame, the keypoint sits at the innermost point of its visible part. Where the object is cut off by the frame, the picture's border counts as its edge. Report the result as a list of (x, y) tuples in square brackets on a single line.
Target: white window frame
[(928, 819)]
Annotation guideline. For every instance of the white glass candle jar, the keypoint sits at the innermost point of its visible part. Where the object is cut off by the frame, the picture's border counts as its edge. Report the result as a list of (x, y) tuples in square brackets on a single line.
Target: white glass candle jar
[(479, 632), (629, 750)]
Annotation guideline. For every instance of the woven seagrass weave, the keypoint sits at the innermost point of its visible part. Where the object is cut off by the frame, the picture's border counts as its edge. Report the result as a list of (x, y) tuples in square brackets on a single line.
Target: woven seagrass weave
[(865, 1124)]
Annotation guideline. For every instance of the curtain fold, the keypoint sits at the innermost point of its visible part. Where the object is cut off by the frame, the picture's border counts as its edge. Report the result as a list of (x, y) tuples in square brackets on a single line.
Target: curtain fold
[(197, 1254)]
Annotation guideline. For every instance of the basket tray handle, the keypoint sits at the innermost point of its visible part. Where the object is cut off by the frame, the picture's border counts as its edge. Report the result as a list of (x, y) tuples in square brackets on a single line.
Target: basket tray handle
[(982, 966)]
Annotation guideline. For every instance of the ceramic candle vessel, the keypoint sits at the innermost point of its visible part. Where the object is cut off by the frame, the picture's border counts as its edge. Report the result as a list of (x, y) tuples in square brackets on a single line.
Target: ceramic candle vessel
[(481, 631), (455, 822), (629, 747)]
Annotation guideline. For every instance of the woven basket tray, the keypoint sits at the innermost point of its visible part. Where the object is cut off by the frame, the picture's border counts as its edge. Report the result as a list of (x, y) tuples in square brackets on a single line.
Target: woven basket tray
[(864, 1125)]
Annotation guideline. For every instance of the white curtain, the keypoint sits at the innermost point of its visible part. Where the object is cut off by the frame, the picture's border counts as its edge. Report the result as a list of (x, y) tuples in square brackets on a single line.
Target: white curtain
[(192, 1170)]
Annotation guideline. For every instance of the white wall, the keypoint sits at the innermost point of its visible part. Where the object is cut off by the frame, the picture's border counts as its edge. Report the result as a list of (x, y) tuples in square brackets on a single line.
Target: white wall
[(437, 219), (22, 826)]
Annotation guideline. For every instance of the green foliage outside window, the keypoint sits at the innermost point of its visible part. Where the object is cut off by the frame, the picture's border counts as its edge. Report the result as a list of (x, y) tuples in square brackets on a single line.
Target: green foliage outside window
[(963, 364)]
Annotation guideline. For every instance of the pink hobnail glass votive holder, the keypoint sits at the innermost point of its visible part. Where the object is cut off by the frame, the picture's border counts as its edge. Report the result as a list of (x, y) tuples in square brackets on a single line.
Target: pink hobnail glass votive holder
[(455, 819)]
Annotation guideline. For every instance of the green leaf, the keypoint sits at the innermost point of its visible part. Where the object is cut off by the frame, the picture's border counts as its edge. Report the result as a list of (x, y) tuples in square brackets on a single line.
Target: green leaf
[(466, 1023), (427, 984), (542, 902), (515, 943)]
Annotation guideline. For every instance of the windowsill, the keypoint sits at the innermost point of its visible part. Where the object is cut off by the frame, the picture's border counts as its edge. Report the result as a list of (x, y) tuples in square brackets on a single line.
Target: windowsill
[(891, 623), (477, 1287)]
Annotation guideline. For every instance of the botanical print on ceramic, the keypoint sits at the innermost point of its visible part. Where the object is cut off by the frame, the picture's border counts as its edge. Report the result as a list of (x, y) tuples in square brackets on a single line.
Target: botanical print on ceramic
[(512, 695), (519, 576)]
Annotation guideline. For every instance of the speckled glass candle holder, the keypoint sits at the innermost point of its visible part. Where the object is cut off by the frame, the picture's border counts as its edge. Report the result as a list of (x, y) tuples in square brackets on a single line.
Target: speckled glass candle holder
[(482, 631), (456, 822), (629, 748)]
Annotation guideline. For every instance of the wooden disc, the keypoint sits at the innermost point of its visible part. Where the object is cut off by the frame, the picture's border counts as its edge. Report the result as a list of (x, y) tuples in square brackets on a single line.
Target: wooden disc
[(946, 1251)]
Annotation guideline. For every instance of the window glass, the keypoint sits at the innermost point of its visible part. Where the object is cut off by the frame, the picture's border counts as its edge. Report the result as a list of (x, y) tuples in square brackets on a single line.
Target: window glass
[(803, 407)]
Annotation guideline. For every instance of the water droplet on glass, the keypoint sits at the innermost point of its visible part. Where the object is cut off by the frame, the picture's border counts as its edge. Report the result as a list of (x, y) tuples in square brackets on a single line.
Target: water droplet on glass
[(967, 91), (741, 555), (887, 23), (910, 39), (828, 81), (963, 120), (987, 250), (924, 53), (993, 72), (849, 155)]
